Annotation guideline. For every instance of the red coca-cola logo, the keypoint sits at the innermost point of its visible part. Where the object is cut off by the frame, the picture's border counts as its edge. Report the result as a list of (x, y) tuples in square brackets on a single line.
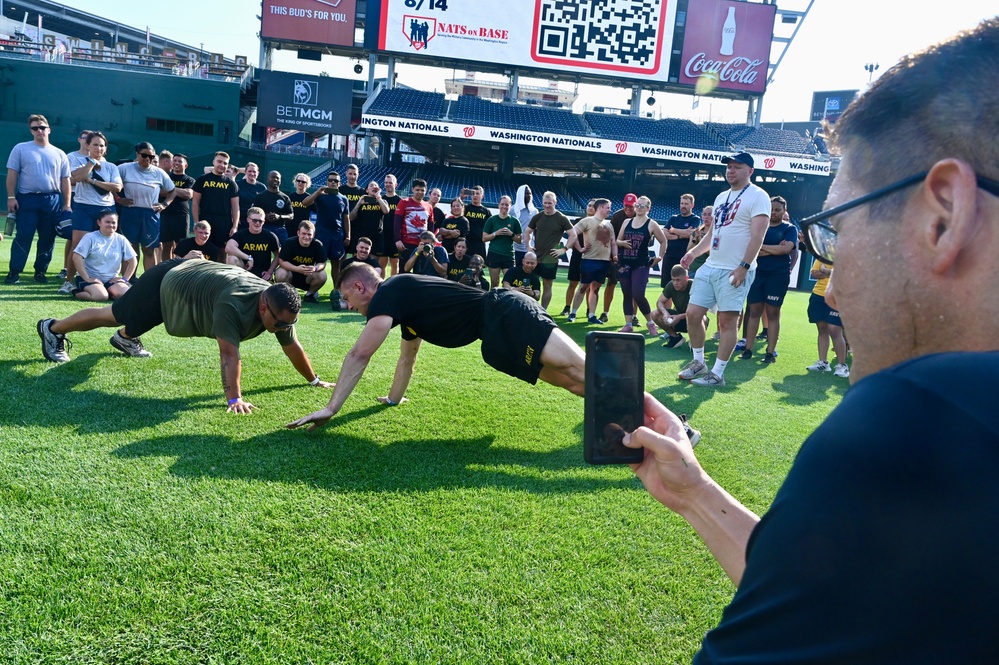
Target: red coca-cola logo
[(737, 70), (621, 147), (769, 162), (469, 132)]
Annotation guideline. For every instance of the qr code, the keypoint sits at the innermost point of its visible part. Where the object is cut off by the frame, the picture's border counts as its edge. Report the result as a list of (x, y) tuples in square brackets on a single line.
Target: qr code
[(602, 33)]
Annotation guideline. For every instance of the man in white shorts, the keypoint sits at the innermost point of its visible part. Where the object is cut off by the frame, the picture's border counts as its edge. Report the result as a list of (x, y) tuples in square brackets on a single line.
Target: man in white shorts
[(741, 216)]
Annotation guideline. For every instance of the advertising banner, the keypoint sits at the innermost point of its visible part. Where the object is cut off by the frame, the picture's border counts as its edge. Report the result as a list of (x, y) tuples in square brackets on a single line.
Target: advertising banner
[(328, 22), (307, 103), (726, 45), (630, 39), (803, 165), (830, 104)]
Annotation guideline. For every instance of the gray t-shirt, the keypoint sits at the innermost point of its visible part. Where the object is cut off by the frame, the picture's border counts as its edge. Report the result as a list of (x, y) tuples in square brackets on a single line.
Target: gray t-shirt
[(84, 192), (143, 185), (103, 255), (40, 169), (524, 216)]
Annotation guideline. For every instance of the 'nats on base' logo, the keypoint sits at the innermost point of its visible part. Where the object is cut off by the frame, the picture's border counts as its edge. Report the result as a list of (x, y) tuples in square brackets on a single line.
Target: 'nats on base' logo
[(769, 162), (419, 30)]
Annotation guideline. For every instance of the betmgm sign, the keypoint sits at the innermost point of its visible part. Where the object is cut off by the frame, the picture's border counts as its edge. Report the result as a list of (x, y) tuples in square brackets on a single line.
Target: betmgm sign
[(319, 104)]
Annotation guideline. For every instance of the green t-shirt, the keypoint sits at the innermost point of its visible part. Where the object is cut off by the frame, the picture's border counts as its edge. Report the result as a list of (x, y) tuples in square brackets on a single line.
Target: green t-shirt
[(206, 299), (502, 245), (548, 230), (681, 299)]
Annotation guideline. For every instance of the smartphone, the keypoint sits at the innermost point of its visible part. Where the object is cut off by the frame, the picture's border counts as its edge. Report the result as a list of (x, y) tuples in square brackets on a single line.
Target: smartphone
[(614, 399)]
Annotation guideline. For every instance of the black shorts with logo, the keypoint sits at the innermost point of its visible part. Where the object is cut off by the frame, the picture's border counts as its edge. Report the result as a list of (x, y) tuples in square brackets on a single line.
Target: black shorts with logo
[(515, 330)]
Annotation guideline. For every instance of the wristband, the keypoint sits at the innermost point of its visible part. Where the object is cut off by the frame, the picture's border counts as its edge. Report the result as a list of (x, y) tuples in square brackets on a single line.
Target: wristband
[(234, 400), (388, 400), (315, 381), (743, 264)]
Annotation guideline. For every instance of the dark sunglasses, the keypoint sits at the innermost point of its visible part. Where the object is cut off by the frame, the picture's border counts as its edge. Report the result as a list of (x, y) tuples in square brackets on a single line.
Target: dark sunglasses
[(39, 128), (147, 155), (278, 323)]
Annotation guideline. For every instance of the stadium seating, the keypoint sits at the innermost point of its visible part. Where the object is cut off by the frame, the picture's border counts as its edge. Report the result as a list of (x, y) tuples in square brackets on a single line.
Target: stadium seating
[(475, 110), (409, 103), (667, 131), (764, 139)]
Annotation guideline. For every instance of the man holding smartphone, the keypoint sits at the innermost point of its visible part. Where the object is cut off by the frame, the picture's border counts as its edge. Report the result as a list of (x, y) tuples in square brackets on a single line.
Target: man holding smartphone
[(880, 545)]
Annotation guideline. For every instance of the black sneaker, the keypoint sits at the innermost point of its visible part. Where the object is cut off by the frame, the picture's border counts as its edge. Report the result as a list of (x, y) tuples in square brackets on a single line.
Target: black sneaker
[(53, 344), (565, 312), (763, 334), (747, 354), (311, 297), (634, 321), (769, 358), (41, 278), (603, 318), (674, 342), (62, 274), (130, 347), (12, 278)]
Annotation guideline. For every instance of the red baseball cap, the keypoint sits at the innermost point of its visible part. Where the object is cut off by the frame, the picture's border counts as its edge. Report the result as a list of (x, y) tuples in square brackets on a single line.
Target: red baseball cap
[(630, 199)]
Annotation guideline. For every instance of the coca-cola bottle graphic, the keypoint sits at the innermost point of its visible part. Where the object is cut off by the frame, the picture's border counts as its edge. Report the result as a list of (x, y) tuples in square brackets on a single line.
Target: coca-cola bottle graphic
[(728, 33)]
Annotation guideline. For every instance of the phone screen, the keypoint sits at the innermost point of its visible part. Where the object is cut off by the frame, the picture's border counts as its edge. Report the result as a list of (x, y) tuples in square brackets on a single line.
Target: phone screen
[(615, 395)]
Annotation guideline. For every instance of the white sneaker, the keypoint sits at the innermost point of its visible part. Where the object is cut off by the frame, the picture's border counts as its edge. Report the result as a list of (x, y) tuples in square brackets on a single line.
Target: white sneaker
[(692, 369), (842, 371), (67, 288), (709, 379), (819, 366)]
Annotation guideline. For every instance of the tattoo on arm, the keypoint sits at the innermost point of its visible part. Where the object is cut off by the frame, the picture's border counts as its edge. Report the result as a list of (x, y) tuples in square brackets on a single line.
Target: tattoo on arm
[(225, 383)]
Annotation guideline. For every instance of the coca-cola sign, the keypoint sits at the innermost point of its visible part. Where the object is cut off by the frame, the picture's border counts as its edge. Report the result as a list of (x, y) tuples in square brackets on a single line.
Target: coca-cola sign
[(726, 45)]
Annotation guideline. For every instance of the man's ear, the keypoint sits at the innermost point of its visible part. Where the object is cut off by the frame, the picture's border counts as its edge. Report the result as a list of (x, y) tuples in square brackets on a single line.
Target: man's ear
[(950, 216)]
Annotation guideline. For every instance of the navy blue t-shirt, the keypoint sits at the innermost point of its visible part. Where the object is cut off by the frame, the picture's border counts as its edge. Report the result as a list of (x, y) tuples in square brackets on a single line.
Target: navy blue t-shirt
[(880, 546), (774, 236), (330, 209), (678, 247)]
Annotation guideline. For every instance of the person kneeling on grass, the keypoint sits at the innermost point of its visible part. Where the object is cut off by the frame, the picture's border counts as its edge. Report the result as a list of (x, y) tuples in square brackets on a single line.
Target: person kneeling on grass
[(194, 298), (670, 313), (519, 338), (302, 262), (98, 257)]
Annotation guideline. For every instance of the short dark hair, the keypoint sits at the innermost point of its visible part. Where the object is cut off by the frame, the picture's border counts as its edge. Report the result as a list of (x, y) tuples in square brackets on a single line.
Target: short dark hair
[(96, 135), (221, 153), (365, 240), (181, 155), (780, 200), (144, 145), (284, 297), (677, 270), (418, 183), (600, 202)]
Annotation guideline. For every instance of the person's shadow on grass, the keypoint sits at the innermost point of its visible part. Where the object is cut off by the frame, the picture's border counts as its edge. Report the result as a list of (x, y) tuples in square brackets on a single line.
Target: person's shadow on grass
[(351, 463), (801, 389)]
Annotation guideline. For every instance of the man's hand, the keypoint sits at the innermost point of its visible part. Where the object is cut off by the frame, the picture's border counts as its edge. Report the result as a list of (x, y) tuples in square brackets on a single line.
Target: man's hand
[(314, 420), (127, 203), (738, 276), (687, 259), (240, 406), (670, 471)]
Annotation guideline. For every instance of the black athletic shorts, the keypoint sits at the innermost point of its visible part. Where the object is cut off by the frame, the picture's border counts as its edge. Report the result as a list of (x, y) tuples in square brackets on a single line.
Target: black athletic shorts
[(515, 330), (299, 281), (220, 229), (574, 260), (547, 270), (679, 326), (769, 287), (499, 261), (139, 309), (173, 228)]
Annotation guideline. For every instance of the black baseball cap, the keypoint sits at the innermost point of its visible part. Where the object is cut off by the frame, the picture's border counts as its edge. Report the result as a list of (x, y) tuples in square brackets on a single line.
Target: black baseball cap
[(742, 158)]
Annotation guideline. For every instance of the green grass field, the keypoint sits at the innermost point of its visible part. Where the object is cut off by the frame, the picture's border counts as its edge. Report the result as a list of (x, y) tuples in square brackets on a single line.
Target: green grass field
[(141, 523)]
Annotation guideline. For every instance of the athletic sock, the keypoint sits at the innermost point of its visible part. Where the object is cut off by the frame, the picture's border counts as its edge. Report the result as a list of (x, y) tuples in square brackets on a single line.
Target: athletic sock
[(719, 368), (699, 354)]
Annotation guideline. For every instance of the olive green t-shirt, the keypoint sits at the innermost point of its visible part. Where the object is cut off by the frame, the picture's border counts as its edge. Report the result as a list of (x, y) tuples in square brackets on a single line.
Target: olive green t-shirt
[(206, 299)]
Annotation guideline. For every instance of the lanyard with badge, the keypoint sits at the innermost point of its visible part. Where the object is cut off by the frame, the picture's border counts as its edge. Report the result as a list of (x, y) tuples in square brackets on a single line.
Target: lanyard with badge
[(723, 213)]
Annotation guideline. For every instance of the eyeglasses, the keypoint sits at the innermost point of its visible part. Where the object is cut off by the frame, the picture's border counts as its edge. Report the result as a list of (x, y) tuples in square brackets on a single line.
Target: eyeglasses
[(278, 323), (254, 220), (39, 128), (145, 155), (302, 182), (333, 180), (820, 236)]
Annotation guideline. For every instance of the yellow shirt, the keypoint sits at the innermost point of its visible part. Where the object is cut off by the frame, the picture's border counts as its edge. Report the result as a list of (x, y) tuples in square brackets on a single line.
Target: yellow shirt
[(822, 284)]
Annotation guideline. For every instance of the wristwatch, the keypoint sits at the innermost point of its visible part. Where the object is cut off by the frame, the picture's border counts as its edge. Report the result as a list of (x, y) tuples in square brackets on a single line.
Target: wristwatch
[(743, 264)]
